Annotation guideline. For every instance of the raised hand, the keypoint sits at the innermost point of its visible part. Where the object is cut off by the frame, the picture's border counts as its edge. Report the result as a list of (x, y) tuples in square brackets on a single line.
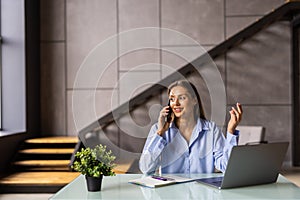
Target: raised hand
[(235, 117)]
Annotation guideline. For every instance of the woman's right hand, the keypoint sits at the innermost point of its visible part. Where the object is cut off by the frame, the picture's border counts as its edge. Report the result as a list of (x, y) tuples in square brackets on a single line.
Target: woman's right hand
[(163, 124)]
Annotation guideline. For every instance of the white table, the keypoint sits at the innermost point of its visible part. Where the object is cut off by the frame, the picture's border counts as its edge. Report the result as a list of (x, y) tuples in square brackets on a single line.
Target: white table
[(117, 187)]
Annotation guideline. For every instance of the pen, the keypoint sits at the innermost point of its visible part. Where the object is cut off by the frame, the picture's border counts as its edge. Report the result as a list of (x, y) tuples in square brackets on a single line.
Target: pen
[(161, 178)]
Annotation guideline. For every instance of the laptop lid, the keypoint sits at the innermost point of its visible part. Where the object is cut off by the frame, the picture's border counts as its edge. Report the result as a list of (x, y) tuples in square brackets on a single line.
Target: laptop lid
[(254, 164)]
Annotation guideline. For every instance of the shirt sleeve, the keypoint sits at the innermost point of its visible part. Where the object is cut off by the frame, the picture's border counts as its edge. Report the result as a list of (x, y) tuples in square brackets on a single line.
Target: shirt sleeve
[(222, 147), (149, 160)]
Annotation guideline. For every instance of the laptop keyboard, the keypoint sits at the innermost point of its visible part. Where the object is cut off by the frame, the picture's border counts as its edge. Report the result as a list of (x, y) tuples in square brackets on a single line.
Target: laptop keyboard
[(216, 181)]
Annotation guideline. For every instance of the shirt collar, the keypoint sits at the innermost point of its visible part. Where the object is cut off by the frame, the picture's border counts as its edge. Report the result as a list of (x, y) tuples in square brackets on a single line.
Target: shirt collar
[(201, 125)]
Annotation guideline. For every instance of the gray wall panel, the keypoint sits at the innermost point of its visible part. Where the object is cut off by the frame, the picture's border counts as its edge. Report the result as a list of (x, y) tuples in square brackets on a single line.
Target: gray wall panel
[(201, 20), (53, 94), (257, 71), (89, 23), (236, 24), (253, 7)]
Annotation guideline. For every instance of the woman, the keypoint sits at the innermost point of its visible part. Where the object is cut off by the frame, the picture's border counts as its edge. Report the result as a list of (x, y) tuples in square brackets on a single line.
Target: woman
[(187, 142)]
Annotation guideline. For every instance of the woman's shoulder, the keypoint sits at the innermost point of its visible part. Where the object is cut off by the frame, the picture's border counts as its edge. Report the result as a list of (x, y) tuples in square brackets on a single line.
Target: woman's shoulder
[(206, 124), (154, 126)]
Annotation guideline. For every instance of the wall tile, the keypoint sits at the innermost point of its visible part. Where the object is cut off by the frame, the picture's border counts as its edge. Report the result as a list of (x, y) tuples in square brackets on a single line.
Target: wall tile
[(96, 73), (175, 57), (138, 122), (138, 13), (52, 23), (89, 24), (253, 7), (201, 20), (86, 106), (255, 77), (134, 82), (53, 116), (107, 136), (212, 94), (140, 59), (236, 24), (276, 120), (135, 127), (106, 77), (138, 47), (220, 63)]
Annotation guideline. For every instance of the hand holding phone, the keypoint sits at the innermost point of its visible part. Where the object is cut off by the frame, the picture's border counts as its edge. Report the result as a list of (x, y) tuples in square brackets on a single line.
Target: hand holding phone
[(169, 116), (164, 120)]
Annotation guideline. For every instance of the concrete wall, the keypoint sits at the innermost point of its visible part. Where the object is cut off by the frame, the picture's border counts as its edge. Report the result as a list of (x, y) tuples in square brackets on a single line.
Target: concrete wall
[(256, 73)]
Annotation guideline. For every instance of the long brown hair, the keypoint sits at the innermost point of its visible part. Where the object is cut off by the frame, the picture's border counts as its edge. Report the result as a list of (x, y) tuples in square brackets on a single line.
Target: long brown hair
[(198, 111)]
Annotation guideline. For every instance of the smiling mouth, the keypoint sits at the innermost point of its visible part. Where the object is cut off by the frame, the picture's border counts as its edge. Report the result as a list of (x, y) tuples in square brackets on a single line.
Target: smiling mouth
[(177, 110)]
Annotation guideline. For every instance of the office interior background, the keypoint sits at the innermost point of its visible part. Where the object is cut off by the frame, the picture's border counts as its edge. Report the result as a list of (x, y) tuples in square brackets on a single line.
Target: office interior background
[(59, 34), (256, 73)]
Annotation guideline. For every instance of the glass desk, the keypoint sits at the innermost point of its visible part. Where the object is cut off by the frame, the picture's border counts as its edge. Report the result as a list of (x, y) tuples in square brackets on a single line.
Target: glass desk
[(117, 187)]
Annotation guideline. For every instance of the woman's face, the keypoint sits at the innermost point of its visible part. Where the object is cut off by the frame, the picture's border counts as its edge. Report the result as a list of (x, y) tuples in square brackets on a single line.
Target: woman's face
[(182, 102)]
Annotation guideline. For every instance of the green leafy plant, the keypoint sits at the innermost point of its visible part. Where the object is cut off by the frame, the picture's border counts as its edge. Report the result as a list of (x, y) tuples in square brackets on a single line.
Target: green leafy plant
[(94, 162)]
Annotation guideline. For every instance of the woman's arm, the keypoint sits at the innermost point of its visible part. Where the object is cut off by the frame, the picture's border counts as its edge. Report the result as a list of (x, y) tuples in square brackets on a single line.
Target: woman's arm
[(222, 147), (149, 160), (155, 143)]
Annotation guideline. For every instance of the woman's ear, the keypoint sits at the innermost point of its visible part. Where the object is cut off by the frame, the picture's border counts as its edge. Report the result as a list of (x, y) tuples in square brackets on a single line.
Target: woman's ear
[(195, 102)]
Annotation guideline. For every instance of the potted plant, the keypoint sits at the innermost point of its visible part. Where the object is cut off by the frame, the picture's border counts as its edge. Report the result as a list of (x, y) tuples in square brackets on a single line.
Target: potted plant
[(94, 163)]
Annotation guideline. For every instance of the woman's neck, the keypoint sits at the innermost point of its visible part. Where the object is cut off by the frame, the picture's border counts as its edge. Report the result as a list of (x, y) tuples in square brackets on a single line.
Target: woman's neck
[(186, 127)]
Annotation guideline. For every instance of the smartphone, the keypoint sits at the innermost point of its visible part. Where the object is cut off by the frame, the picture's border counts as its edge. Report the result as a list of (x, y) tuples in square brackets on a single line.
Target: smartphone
[(169, 116)]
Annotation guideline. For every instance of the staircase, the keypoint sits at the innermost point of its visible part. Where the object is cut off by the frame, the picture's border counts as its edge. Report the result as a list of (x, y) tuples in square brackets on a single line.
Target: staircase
[(290, 11), (41, 165)]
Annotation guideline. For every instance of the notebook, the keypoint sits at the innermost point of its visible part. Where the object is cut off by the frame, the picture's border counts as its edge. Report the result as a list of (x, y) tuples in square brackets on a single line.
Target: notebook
[(250, 165), (159, 181)]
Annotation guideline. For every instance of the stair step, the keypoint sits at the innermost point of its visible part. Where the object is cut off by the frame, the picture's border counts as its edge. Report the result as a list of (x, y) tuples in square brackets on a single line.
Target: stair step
[(53, 140), (18, 168), (37, 178), (43, 169), (47, 151), (50, 142), (36, 181), (43, 163)]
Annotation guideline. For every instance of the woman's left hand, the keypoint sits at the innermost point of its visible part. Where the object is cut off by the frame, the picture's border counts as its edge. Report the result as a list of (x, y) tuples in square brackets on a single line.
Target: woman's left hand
[(235, 118)]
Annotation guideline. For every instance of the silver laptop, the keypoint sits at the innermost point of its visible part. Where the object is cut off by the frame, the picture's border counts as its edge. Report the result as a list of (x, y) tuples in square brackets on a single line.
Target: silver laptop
[(250, 165)]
